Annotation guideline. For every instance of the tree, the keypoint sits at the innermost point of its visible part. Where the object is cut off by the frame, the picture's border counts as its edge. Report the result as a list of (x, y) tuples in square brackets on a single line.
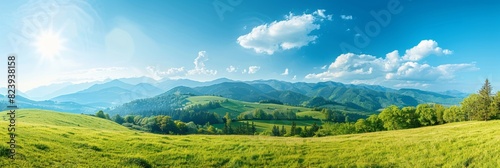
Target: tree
[(376, 124), (329, 115), (426, 115), (470, 105), (181, 127), (275, 131), (137, 120), (227, 125), (293, 129), (283, 130), (298, 131), (259, 114), (253, 128), (106, 116), (391, 118), (362, 126), (439, 113), (485, 101), (129, 119), (100, 114), (118, 119), (495, 105), (211, 129), (314, 129), (454, 114)]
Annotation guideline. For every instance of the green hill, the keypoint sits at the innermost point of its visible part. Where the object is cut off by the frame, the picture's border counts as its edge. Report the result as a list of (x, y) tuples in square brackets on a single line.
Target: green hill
[(53, 139), (235, 107)]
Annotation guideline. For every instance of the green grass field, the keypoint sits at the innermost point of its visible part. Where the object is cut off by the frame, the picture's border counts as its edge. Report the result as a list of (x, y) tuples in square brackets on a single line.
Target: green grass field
[(267, 125), (313, 114), (53, 139), (235, 107)]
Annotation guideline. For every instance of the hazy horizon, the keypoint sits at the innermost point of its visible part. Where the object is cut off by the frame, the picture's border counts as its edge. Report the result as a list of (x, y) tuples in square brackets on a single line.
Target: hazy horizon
[(397, 44)]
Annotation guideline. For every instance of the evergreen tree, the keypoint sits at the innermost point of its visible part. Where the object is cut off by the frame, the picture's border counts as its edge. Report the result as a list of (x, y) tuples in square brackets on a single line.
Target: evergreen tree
[(100, 114), (248, 129), (106, 116), (275, 131), (283, 130), (485, 112), (253, 128), (118, 119), (292, 130)]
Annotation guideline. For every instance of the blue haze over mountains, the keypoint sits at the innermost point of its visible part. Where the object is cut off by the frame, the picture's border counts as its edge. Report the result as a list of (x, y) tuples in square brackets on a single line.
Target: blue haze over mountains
[(93, 96)]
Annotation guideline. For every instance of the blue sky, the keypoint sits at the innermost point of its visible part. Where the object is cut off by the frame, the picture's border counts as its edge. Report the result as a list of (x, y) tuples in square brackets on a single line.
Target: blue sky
[(395, 43)]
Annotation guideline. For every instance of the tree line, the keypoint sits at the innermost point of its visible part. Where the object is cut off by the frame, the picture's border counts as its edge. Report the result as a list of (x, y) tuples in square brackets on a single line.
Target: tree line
[(480, 106)]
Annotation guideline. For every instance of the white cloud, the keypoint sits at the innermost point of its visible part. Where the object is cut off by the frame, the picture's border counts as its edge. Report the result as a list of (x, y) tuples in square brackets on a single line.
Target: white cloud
[(231, 69), (424, 49), (324, 67), (294, 77), (346, 17), (286, 72), (352, 66), (244, 71), (321, 13), (409, 84), (158, 74), (199, 66), (393, 67), (253, 69), (293, 32)]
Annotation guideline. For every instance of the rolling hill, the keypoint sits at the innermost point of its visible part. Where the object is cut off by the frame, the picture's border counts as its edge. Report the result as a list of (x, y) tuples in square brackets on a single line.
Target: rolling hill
[(361, 97), (54, 139), (369, 98)]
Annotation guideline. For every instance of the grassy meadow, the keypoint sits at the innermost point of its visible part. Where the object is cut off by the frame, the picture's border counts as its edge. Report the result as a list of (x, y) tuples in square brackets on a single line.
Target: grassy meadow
[(235, 107), (54, 139)]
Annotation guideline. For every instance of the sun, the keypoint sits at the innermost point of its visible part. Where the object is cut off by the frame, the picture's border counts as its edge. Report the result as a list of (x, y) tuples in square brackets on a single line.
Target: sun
[(49, 44)]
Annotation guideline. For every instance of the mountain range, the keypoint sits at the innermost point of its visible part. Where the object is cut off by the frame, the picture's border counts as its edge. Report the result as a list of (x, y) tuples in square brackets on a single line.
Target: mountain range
[(113, 93)]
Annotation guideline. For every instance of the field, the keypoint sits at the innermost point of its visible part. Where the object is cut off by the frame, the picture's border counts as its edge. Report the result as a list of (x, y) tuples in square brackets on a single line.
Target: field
[(54, 139), (235, 107), (267, 125)]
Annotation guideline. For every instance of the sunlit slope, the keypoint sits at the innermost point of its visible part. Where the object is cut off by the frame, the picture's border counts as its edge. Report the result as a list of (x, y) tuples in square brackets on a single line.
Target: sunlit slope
[(52, 139)]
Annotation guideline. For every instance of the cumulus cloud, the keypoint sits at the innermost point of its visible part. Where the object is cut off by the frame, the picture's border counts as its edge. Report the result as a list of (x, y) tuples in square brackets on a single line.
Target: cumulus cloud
[(365, 68), (199, 65), (231, 69), (424, 49), (346, 17), (294, 77), (293, 32), (352, 66), (253, 69), (286, 72)]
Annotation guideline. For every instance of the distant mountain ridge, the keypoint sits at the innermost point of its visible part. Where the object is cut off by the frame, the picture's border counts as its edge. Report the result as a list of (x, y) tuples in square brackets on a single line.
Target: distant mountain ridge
[(301, 93), (113, 93), (110, 94)]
